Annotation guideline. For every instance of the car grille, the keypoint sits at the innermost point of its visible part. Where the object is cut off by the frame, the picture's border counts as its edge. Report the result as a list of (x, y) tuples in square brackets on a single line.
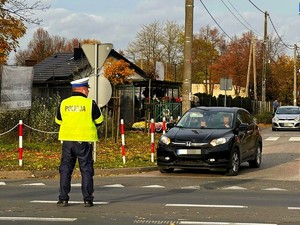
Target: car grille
[(188, 144)]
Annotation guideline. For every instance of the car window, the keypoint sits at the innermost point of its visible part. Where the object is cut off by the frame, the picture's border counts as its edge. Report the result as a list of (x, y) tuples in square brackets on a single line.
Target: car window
[(244, 117), (239, 119), (288, 111), (207, 120), (248, 118)]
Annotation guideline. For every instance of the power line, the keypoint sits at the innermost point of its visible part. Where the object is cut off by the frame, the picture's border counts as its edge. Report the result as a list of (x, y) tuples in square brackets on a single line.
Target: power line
[(243, 18), (288, 46), (256, 6), (238, 18), (215, 20), (234, 15)]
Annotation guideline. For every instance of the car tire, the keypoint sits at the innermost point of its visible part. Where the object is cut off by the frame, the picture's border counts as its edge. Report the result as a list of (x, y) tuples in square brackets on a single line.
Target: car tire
[(164, 170), (234, 164), (257, 159), (273, 129)]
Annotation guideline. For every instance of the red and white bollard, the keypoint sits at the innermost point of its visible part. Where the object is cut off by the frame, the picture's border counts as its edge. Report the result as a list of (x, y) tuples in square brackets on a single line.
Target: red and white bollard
[(152, 129), (20, 143), (123, 140), (164, 125)]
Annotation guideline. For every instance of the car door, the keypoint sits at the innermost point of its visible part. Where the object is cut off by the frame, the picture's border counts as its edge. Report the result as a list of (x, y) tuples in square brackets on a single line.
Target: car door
[(251, 132), (245, 135)]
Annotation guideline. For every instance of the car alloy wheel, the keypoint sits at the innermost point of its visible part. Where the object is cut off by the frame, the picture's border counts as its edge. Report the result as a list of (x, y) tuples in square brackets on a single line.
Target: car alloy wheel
[(234, 167), (258, 156)]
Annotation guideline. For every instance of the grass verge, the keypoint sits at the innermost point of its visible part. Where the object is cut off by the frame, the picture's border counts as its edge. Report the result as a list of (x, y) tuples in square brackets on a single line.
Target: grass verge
[(39, 156)]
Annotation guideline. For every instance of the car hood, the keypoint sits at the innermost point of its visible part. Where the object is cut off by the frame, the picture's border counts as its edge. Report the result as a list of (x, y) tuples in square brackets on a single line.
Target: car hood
[(286, 116), (184, 134)]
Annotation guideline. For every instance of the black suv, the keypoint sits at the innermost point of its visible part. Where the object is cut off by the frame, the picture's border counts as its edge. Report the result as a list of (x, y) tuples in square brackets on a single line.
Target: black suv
[(215, 138)]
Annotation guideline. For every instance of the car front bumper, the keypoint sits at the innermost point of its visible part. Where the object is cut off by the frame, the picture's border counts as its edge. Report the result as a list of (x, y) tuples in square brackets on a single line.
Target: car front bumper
[(212, 158), (285, 124)]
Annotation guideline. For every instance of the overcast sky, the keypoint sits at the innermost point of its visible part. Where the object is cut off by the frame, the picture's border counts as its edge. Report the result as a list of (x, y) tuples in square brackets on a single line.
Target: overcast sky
[(118, 21)]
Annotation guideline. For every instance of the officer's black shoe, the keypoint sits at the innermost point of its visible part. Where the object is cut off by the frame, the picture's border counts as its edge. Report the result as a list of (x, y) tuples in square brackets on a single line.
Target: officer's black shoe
[(62, 203), (88, 203)]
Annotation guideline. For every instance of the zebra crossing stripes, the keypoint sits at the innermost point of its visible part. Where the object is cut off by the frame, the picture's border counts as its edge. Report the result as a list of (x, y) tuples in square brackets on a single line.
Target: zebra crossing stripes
[(271, 139), (275, 138), (155, 186), (294, 139)]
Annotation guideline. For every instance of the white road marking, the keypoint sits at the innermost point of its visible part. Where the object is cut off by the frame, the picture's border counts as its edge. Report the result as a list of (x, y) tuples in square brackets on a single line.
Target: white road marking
[(143, 221), (294, 139), (76, 185), (113, 185), (274, 189), (70, 202), (191, 187), (154, 186), (223, 223), (207, 206), (234, 188), (2, 183), (44, 219), (272, 138), (296, 208), (33, 184)]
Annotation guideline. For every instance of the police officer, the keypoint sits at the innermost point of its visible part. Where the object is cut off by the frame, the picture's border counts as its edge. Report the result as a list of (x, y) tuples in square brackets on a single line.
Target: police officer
[(78, 117)]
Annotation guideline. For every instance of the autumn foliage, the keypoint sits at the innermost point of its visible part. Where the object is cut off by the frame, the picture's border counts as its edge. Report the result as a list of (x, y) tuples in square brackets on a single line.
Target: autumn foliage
[(117, 72), (11, 30)]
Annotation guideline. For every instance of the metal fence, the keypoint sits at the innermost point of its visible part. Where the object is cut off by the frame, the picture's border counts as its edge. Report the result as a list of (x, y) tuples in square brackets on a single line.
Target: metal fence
[(169, 110)]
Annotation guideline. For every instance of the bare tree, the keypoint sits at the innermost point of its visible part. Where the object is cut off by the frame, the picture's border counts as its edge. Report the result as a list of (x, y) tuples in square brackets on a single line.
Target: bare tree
[(158, 42), (172, 41), (147, 46)]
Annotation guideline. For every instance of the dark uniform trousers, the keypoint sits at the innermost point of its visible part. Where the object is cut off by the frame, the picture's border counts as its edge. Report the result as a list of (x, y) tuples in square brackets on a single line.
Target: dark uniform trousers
[(72, 150)]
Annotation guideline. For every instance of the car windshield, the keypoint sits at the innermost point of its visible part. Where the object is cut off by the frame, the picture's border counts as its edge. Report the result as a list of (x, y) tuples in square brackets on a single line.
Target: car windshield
[(206, 120), (287, 111)]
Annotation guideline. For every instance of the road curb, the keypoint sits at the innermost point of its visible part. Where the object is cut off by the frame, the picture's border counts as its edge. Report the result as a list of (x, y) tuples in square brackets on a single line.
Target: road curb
[(20, 174)]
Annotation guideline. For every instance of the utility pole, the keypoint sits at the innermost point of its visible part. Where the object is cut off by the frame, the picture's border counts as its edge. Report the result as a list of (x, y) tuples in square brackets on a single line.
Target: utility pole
[(249, 66), (254, 71), (187, 64), (295, 75), (264, 72)]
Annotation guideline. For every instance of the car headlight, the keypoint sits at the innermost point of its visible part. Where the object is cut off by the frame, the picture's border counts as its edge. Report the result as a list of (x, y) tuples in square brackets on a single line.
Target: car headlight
[(297, 118), (165, 140), (275, 118), (218, 141)]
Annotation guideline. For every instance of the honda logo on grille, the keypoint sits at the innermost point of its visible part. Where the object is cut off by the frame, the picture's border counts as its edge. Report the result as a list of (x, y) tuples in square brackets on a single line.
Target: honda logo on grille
[(188, 143)]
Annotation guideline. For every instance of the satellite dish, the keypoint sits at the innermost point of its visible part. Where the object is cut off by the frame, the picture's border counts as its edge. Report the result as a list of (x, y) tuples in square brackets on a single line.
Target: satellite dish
[(104, 90)]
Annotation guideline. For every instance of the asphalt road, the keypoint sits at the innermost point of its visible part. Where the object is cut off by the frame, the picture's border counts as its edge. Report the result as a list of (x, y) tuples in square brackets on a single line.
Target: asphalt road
[(269, 195)]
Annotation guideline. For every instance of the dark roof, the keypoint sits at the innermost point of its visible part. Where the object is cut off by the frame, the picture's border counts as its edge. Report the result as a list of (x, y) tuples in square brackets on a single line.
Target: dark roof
[(60, 66), (63, 66)]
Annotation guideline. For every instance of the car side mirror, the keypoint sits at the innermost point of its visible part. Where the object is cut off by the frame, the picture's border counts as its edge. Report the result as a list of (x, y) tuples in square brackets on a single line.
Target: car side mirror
[(170, 125), (243, 127)]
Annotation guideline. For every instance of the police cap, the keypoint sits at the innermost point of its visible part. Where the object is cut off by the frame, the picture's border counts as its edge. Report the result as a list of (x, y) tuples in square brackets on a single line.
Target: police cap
[(83, 82)]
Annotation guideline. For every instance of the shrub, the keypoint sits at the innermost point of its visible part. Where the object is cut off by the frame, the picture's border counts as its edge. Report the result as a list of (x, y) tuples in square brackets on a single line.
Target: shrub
[(265, 118)]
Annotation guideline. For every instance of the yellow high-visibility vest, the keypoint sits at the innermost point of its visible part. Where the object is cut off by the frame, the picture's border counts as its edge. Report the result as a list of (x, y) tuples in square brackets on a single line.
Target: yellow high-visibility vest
[(77, 123)]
